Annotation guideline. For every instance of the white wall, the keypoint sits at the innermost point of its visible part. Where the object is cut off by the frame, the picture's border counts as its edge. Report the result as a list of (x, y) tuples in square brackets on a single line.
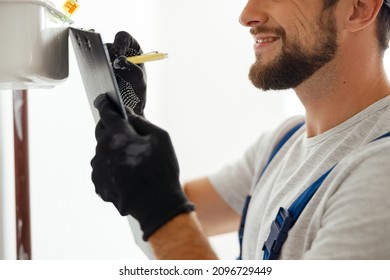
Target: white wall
[(201, 95)]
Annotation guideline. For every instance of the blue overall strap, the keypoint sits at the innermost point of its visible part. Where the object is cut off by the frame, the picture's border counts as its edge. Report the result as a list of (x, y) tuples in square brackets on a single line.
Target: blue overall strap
[(382, 136), (286, 218), (277, 147)]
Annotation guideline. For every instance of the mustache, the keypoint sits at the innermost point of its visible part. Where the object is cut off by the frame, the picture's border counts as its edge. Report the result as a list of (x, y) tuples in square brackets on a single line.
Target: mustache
[(264, 29)]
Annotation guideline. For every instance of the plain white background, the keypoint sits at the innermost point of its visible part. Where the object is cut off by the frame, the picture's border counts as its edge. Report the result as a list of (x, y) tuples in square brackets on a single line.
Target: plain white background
[(201, 95)]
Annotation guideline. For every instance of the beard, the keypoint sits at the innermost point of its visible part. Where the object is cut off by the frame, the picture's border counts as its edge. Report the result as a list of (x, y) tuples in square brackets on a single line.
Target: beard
[(295, 64)]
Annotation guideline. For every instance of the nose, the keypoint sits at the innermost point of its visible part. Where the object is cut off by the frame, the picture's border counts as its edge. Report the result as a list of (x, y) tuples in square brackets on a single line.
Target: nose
[(253, 14)]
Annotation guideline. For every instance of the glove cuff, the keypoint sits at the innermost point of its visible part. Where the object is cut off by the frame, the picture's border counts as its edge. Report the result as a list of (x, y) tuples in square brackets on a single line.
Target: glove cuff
[(186, 207)]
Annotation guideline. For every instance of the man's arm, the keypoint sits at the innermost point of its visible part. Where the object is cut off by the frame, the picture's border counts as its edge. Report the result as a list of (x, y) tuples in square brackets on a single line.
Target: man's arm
[(181, 238), (214, 214)]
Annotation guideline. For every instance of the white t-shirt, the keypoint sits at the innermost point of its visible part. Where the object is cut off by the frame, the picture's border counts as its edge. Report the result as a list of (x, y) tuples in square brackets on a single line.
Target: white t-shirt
[(349, 215)]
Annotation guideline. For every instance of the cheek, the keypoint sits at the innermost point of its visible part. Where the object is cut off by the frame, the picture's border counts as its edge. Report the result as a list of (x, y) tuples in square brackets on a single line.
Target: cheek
[(300, 18), (303, 33)]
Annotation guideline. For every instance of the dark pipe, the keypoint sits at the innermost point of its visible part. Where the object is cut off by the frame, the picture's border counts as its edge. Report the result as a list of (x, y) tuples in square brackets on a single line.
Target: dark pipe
[(22, 192)]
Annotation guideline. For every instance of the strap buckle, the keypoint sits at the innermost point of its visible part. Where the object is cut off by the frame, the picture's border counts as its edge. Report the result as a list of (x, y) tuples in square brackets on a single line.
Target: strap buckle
[(278, 234)]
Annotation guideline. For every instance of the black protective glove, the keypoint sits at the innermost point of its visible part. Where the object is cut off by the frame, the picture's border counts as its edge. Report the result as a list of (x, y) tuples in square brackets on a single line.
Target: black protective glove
[(131, 78), (135, 168)]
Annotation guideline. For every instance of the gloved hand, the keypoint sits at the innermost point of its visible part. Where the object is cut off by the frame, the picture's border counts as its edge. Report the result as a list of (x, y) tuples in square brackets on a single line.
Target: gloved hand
[(135, 168), (131, 78)]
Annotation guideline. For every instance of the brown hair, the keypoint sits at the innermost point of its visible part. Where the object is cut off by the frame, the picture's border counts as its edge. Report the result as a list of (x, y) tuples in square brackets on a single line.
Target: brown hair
[(383, 27)]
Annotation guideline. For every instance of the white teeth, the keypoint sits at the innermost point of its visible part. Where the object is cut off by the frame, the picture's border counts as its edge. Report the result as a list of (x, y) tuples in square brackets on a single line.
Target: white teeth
[(265, 40)]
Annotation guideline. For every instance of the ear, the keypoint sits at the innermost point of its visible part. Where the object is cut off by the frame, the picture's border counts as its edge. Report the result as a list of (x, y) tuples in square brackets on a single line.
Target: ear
[(362, 13)]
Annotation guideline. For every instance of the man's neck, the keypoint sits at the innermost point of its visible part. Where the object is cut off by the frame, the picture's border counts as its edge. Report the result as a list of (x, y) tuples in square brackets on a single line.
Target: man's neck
[(335, 93)]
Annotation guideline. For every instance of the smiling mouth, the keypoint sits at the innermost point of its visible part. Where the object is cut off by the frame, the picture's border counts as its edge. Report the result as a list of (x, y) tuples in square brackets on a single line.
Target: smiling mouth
[(266, 40)]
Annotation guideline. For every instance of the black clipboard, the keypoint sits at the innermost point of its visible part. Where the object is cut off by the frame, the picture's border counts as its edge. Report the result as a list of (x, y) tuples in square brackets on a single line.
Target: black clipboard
[(95, 68), (98, 77)]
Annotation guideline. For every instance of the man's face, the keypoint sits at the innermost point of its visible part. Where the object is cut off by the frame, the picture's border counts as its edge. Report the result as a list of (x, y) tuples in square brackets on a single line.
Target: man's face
[(286, 57)]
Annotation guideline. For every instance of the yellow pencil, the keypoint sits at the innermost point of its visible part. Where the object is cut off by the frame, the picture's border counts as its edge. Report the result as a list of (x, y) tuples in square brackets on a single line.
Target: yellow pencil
[(147, 57)]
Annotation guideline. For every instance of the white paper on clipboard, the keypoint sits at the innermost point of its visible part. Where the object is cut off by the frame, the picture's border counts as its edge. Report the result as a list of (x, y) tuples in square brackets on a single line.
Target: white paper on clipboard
[(98, 77), (137, 232)]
